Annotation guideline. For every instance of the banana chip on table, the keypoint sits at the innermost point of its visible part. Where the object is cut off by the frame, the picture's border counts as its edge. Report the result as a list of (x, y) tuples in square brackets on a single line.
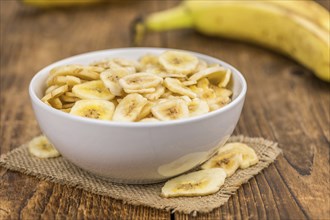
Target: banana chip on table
[(170, 86), (250, 157), (229, 161), (199, 183), (231, 157), (42, 148)]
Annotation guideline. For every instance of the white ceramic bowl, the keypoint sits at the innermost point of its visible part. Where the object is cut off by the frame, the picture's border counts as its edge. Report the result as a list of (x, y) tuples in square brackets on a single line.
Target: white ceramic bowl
[(136, 152)]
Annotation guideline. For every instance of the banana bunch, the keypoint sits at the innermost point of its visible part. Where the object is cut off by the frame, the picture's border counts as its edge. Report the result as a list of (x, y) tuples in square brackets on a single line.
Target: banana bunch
[(298, 29), (59, 3), (207, 181)]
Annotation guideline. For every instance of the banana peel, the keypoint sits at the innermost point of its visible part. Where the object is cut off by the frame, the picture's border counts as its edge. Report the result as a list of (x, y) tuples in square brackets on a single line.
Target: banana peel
[(297, 29)]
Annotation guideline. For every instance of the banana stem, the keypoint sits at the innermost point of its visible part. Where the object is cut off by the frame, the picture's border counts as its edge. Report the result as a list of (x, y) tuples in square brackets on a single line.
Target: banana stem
[(174, 18)]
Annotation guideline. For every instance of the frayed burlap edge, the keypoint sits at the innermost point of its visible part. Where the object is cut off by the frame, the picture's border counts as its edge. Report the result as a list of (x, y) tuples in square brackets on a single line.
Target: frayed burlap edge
[(60, 171)]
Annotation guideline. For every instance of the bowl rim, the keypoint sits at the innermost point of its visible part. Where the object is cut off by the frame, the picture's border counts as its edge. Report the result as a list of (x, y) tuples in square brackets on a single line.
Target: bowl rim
[(226, 108)]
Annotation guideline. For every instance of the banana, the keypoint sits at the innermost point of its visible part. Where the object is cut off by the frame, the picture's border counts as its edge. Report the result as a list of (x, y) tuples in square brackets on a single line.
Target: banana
[(207, 72), (82, 72), (117, 63), (197, 107), (224, 82), (217, 75), (141, 91), (146, 110), (92, 90), (62, 80), (148, 60), (51, 88), (249, 156), (189, 82), (70, 94), (57, 3), (129, 108), (125, 63), (176, 86), (201, 65), (218, 102), (214, 96), (198, 183), (166, 94), (55, 93), (56, 103), (184, 98), (227, 160), (66, 98), (68, 105), (160, 71), (178, 62), (97, 109), (159, 95), (298, 29), (42, 148), (140, 83), (111, 78), (160, 90), (206, 93), (170, 110), (221, 91)]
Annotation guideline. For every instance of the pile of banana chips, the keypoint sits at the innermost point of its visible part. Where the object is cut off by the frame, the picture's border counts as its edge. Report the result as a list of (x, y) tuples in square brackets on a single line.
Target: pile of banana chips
[(174, 85)]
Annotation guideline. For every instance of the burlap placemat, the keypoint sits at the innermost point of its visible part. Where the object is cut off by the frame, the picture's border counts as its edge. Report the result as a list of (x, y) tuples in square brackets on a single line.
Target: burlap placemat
[(59, 170)]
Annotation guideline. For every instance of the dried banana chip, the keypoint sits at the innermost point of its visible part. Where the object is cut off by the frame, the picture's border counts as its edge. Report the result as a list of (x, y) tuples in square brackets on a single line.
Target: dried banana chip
[(42, 148), (250, 157), (227, 160), (130, 108), (198, 183), (178, 62), (96, 109), (92, 90), (170, 110)]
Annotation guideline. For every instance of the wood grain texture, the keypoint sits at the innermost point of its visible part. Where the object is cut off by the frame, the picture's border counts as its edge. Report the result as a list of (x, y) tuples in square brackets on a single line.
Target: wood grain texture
[(285, 103)]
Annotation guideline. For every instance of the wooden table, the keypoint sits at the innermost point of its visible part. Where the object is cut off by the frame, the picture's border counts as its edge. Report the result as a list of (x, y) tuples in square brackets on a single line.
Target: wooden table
[(285, 103)]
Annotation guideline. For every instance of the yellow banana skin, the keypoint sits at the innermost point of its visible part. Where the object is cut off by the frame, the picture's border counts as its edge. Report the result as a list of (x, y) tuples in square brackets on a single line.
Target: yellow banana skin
[(58, 3), (298, 29)]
